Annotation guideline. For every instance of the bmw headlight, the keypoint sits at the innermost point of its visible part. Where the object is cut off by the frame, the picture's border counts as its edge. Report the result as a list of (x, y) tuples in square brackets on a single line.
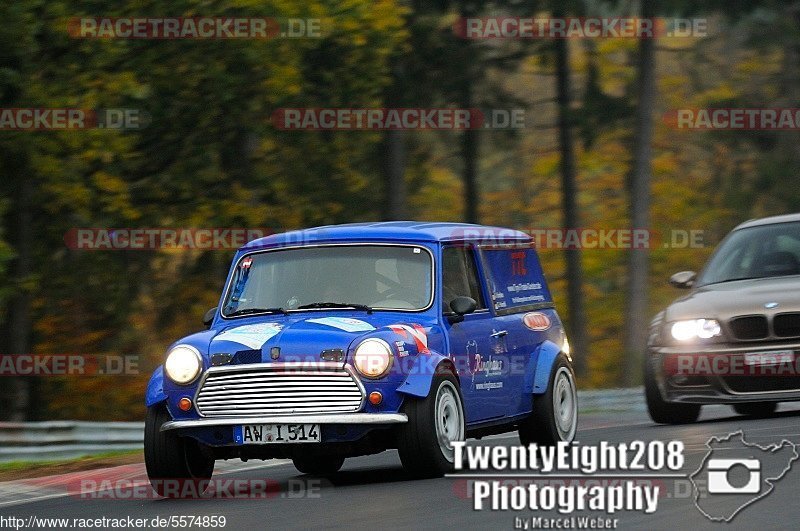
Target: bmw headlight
[(183, 364), (695, 329), (373, 357)]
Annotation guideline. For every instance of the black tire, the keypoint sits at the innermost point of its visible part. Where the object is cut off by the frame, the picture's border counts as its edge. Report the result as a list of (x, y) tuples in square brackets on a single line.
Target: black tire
[(555, 413), (419, 446), (664, 412), (318, 465), (178, 467), (756, 409)]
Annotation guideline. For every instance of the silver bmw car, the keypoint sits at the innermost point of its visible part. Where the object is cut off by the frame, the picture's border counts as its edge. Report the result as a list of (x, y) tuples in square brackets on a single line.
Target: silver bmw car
[(734, 338)]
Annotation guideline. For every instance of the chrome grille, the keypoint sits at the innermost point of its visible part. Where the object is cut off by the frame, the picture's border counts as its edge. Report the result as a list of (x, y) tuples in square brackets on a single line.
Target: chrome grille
[(278, 389)]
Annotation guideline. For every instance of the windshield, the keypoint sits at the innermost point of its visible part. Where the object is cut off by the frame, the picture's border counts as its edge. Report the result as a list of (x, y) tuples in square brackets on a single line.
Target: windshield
[(363, 276), (757, 252)]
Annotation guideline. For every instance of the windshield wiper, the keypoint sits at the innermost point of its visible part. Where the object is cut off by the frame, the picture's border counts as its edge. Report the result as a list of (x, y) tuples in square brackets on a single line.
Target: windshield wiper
[(355, 306), (248, 311)]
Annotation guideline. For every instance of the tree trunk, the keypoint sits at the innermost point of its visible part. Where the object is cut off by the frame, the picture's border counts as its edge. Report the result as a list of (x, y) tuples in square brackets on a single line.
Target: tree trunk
[(578, 336), (469, 152), (394, 157), (394, 146), (469, 139), (636, 314), (19, 310)]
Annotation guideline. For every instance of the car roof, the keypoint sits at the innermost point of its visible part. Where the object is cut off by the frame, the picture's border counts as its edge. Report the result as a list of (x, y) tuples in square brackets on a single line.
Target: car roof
[(419, 231), (786, 218)]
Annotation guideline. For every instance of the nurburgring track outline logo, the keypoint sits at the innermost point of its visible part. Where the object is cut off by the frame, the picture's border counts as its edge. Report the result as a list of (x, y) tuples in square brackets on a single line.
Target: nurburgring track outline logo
[(763, 466)]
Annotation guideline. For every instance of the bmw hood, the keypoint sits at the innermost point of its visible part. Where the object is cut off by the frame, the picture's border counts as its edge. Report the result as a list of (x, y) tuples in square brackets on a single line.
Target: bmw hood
[(742, 297)]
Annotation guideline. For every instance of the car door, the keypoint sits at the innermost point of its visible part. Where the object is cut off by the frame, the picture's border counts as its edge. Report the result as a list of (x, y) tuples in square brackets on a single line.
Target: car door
[(476, 344), (523, 309)]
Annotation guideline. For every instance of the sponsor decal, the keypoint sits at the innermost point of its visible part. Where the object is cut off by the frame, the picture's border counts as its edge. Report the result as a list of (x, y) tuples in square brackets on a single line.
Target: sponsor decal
[(344, 323), (400, 347), (247, 262), (537, 321), (253, 336), (518, 268), (416, 332)]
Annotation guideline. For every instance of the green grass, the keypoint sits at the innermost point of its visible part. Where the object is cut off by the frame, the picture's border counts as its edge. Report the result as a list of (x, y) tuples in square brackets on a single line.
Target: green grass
[(16, 466)]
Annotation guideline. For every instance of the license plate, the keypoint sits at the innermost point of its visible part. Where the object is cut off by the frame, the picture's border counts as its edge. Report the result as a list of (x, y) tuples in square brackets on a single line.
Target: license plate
[(778, 357), (276, 433)]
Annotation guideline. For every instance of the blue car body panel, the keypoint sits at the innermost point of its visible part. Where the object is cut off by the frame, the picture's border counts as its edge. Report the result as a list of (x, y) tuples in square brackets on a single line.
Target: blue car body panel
[(501, 355), (155, 388)]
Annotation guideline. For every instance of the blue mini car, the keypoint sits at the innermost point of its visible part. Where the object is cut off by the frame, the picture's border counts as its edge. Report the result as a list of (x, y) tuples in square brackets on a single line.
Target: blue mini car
[(348, 340)]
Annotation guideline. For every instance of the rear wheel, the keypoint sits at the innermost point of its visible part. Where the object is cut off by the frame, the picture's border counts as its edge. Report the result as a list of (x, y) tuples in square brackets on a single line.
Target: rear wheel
[(660, 410), (434, 422), (555, 413), (178, 467), (756, 409), (318, 465)]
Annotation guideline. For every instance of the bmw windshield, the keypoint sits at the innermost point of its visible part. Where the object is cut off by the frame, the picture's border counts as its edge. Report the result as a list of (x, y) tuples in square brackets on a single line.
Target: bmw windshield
[(381, 277), (756, 252)]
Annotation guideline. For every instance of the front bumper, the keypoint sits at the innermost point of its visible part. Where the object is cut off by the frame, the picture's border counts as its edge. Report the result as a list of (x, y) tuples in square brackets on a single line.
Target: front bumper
[(370, 419), (718, 374)]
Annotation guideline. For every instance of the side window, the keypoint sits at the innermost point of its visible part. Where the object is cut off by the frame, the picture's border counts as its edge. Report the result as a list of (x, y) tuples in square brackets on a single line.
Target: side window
[(516, 279), (460, 276)]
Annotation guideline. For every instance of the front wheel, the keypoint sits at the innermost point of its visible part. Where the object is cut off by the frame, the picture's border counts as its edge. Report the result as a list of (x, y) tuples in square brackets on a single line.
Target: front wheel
[(178, 467), (660, 410), (434, 423), (756, 409), (554, 417)]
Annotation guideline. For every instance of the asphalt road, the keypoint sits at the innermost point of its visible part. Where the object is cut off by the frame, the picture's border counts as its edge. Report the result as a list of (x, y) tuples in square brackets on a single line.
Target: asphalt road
[(373, 492)]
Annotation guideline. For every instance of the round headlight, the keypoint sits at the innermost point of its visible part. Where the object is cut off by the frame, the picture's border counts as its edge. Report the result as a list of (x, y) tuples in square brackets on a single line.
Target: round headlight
[(373, 357), (183, 364)]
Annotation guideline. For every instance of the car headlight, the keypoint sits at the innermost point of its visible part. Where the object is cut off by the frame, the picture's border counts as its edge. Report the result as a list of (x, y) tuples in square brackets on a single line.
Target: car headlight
[(695, 329), (183, 364), (565, 348), (373, 357)]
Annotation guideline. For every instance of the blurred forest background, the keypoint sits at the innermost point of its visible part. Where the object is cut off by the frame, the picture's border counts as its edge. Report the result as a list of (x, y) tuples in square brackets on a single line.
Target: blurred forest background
[(595, 152)]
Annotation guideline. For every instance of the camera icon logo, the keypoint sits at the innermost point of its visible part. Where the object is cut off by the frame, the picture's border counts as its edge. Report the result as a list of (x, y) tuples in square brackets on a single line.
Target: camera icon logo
[(735, 474), (719, 471)]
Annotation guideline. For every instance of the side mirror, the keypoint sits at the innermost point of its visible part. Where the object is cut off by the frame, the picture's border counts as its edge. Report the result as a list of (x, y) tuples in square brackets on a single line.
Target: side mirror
[(683, 280), (208, 318), (461, 306)]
